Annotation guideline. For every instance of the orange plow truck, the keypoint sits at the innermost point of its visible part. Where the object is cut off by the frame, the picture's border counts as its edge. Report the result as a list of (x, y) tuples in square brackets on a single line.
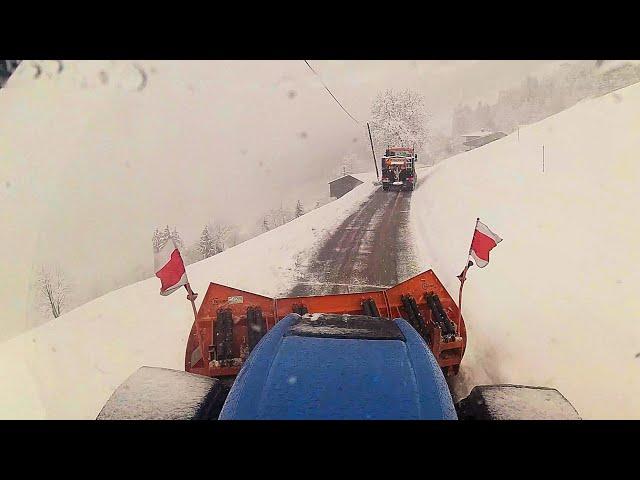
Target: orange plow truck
[(382, 354)]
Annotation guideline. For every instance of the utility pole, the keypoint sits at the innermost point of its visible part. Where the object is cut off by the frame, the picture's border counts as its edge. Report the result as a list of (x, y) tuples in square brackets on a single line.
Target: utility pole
[(375, 162)]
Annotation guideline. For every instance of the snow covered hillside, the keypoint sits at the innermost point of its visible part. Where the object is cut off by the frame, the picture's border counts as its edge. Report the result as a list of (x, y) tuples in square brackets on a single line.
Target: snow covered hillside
[(68, 367), (558, 303)]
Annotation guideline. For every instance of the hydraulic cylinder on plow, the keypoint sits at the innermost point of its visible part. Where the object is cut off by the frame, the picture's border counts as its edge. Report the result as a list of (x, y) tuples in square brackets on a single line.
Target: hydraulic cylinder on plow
[(231, 322)]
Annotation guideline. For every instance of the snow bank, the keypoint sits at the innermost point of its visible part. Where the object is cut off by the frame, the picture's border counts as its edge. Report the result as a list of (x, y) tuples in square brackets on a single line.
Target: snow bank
[(515, 403), (69, 367), (557, 306)]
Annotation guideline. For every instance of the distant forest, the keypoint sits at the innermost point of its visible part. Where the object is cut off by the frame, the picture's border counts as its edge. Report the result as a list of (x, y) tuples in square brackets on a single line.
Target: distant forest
[(533, 100)]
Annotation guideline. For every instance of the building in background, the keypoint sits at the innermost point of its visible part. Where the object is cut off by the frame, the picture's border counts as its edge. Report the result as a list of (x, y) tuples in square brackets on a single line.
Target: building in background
[(477, 139), (342, 185)]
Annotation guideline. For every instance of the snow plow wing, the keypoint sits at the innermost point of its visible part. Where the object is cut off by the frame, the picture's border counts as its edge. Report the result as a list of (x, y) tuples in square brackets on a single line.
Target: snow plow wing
[(231, 322)]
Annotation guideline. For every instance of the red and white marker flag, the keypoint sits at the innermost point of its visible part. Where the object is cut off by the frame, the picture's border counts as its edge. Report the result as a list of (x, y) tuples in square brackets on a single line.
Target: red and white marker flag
[(481, 244), (170, 268), (483, 241)]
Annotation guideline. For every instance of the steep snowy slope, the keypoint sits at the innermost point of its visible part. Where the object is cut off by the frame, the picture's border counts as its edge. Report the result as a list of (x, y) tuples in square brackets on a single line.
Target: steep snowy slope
[(558, 303), (68, 367)]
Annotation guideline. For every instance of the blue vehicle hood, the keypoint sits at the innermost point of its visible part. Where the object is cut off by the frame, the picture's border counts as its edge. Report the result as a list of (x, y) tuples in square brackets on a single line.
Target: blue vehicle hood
[(302, 370)]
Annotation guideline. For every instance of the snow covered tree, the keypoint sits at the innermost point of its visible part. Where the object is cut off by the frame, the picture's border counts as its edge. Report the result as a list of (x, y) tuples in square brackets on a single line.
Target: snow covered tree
[(399, 119), (215, 238), (299, 209), (438, 147), (275, 217), (220, 236), (206, 245), (52, 290), (160, 238), (280, 216), (177, 239), (191, 254), (155, 240)]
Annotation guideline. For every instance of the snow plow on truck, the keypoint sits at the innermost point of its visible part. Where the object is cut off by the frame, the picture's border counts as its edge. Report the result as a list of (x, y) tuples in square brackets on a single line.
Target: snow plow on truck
[(399, 169), (382, 354)]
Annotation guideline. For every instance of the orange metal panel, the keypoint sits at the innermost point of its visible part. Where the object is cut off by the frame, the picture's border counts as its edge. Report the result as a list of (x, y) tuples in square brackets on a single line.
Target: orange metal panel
[(348, 303), (204, 328), (449, 354), (389, 304)]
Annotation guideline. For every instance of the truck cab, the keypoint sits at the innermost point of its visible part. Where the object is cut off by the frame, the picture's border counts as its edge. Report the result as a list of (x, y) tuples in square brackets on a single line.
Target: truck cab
[(398, 168)]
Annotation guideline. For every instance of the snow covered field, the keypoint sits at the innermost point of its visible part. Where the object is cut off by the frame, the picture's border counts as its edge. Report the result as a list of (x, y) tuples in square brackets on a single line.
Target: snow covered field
[(558, 304), (69, 367)]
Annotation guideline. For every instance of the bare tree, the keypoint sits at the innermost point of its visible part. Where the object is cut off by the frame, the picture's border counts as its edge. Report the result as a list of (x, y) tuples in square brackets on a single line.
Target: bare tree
[(399, 119), (52, 290)]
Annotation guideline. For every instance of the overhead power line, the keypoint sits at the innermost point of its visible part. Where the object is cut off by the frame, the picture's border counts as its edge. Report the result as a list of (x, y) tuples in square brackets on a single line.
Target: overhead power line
[(332, 95)]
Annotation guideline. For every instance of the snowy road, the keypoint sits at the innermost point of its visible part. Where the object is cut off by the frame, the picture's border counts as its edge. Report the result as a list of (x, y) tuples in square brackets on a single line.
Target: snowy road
[(370, 249)]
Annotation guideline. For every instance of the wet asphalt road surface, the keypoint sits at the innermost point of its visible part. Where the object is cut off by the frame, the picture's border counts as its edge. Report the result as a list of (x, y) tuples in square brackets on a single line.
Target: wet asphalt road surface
[(370, 249)]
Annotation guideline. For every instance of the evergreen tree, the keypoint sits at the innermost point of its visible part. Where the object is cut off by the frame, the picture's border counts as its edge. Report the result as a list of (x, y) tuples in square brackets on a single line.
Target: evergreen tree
[(156, 240), (299, 209), (177, 239), (160, 238), (219, 236), (206, 244)]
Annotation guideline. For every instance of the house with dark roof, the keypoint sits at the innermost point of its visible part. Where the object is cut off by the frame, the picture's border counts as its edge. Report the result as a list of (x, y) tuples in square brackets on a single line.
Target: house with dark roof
[(480, 138), (342, 185)]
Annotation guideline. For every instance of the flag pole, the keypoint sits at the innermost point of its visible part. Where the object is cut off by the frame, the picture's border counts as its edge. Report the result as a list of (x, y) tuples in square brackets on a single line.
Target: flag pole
[(192, 298), (463, 277)]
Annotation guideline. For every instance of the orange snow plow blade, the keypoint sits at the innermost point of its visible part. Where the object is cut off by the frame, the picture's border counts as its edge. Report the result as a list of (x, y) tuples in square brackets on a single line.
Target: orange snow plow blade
[(231, 322)]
